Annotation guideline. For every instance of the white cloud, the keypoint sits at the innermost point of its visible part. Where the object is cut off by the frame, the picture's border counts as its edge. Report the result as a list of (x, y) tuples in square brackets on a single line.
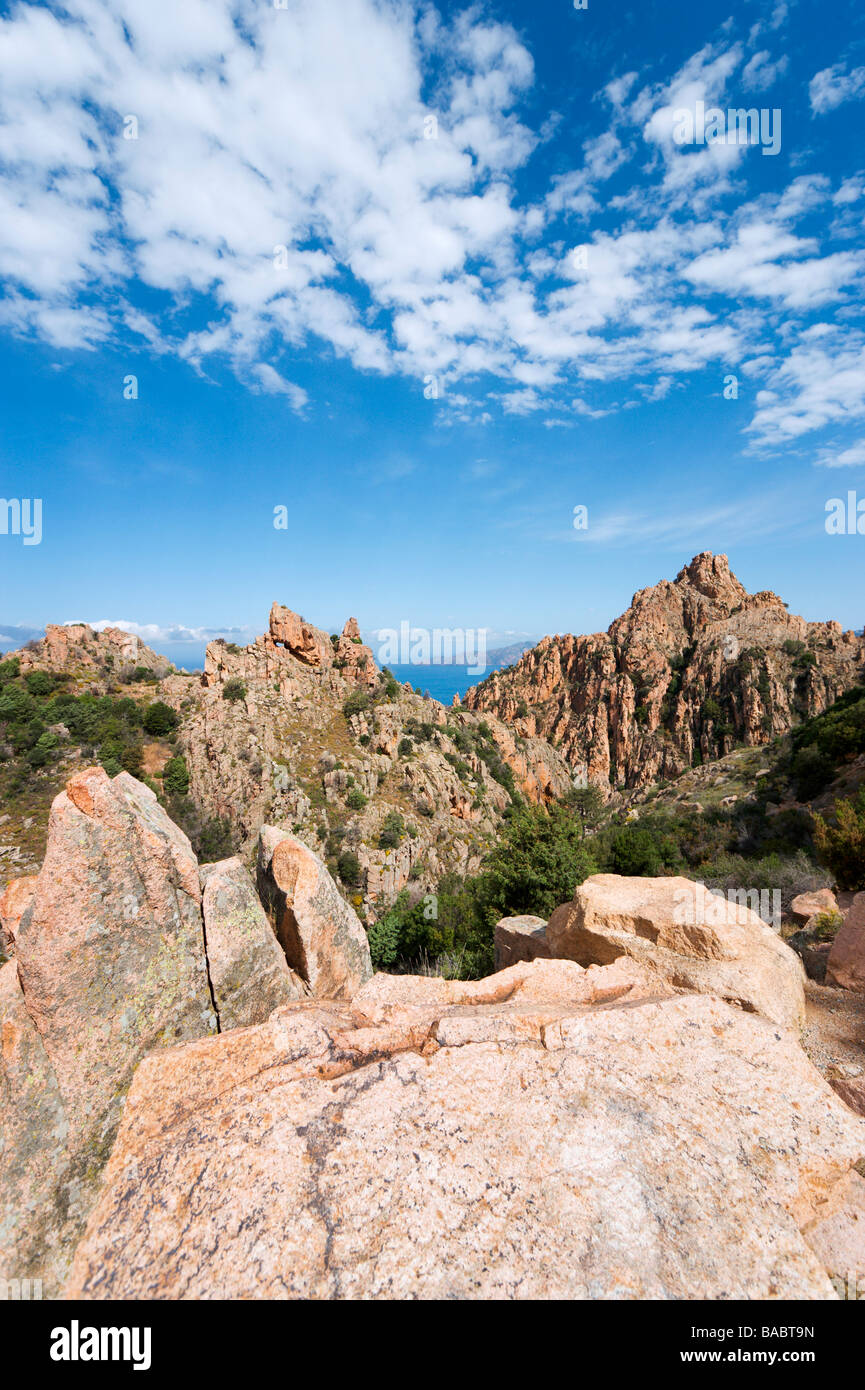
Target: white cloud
[(832, 86), (285, 200), (852, 456)]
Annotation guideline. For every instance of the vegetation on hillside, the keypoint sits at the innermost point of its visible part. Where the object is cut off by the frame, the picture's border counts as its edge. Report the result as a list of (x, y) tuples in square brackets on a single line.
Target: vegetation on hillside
[(542, 855)]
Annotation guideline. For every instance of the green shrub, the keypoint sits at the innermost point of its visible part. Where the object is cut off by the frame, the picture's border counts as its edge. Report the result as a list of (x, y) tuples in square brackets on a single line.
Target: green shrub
[(234, 689), (405, 748), (391, 831), (159, 719), (841, 846), (635, 851), (348, 868), (355, 799), (357, 702), (175, 777), (39, 683)]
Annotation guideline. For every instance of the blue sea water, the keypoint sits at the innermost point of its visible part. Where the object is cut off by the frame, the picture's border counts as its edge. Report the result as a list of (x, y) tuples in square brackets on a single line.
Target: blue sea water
[(441, 682)]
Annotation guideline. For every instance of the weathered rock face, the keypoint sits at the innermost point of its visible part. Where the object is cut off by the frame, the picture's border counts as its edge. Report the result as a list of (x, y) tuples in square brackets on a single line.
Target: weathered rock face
[(111, 951), (846, 964), (309, 644), (119, 952), (690, 668), (513, 1138), (686, 937), (109, 964), (44, 1197), (852, 1092), (837, 1233), (520, 938), (13, 901), (319, 932), (249, 975), (79, 649)]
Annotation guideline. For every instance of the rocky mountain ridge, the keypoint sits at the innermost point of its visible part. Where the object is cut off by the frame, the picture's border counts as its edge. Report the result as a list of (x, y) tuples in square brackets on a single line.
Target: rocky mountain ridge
[(301, 728), (693, 667)]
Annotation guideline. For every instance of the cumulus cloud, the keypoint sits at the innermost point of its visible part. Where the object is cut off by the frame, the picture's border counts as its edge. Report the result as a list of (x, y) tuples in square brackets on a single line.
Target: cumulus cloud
[(833, 86), (226, 180)]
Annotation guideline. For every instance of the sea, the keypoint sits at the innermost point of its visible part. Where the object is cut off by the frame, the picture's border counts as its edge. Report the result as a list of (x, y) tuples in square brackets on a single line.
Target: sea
[(441, 682)]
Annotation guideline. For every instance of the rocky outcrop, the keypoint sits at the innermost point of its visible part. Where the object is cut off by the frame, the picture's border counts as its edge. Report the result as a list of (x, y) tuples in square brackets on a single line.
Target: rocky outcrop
[(75, 649), (807, 905), (109, 964), (249, 974), (13, 901), (319, 932), (547, 1133), (846, 964), (119, 954), (317, 724), (686, 937), (692, 667), (520, 938), (110, 951)]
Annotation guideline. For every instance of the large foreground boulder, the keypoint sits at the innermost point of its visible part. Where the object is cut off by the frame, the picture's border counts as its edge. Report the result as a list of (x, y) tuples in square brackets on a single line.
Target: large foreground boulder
[(249, 975), (109, 964), (547, 1133), (321, 935), (111, 948), (687, 937), (846, 964)]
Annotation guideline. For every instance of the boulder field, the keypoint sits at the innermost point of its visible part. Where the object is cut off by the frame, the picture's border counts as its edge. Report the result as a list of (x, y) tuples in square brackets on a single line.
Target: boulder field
[(205, 1092)]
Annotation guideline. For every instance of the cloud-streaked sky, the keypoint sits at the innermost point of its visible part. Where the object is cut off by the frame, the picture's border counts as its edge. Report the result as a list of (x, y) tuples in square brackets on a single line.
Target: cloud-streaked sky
[(429, 277)]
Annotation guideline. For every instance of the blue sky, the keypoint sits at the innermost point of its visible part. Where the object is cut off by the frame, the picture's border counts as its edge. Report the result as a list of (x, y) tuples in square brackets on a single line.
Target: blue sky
[(431, 278)]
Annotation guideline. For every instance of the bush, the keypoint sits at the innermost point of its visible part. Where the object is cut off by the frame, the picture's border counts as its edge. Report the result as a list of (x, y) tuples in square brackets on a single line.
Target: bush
[(175, 777), (234, 689), (841, 847), (405, 748), (355, 800), (385, 939), (810, 772), (348, 868), (537, 865), (159, 719), (635, 851), (357, 702), (39, 683), (391, 831)]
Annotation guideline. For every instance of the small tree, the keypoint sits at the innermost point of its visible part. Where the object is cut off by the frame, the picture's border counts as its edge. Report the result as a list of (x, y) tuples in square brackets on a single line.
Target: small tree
[(159, 719), (234, 689), (348, 868), (175, 777), (841, 847)]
